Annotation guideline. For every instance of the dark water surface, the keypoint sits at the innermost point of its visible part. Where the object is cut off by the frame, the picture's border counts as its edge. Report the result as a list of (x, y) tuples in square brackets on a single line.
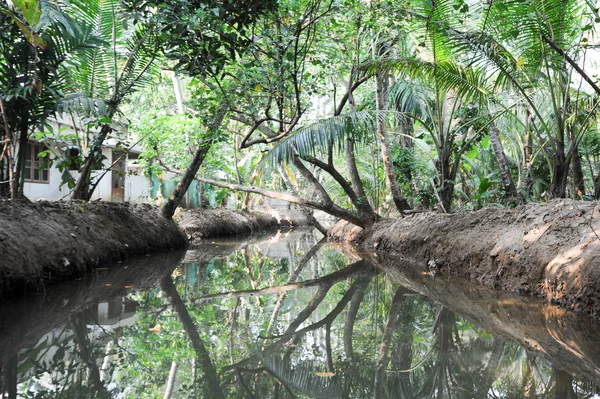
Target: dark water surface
[(288, 316)]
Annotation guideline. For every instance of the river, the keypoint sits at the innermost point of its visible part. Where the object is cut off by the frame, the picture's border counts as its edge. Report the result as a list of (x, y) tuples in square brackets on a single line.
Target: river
[(286, 315)]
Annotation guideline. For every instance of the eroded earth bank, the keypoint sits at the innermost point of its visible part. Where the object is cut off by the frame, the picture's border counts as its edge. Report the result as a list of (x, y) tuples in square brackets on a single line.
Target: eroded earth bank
[(46, 242), (549, 249)]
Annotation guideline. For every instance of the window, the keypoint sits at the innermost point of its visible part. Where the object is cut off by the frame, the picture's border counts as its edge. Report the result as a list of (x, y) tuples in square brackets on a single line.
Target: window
[(36, 170)]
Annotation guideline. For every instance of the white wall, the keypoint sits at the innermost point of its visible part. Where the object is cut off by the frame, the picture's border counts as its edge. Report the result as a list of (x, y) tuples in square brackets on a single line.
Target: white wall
[(49, 191), (137, 188)]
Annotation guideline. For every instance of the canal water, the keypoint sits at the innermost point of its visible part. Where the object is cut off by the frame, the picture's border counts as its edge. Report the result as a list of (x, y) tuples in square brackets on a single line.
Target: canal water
[(287, 315)]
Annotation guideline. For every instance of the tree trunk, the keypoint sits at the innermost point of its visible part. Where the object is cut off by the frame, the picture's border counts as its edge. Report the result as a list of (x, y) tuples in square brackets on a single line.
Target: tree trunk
[(560, 174), (507, 180), (82, 187), (384, 350), (446, 195), (560, 164), (390, 175), (178, 94), (331, 208), (6, 180), (178, 193), (352, 313), (79, 327), (328, 279), (212, 384), (578, 180), (525, 178), (597, 186), (171, 380), (19, 174), (363, 204), (9, 374), (563, 384)]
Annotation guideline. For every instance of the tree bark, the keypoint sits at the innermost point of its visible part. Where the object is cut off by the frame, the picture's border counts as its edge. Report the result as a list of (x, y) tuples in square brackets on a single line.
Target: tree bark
[(390, 175), (171, 380), (19, 173), (507, 180), (384, 350), (560, 174), (178, 193), (352, 313), (81, 190), (525, 178), (331, 208), (80, 329), (329, 279), (361, 205), (578, 180), (10, 371), (563, 384), (212, 384)]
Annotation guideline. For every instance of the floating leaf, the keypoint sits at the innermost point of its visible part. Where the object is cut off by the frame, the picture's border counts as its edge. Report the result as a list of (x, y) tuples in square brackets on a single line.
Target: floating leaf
[(324, 374), (157, 329)]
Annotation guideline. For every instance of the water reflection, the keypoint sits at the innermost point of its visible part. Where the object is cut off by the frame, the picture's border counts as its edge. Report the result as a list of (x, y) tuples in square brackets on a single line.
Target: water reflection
[(296, 318)]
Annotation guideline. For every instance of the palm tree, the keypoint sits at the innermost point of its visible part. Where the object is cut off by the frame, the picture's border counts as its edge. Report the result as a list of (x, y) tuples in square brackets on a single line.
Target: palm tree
[(109, 74), (526, 50), (37, 42)]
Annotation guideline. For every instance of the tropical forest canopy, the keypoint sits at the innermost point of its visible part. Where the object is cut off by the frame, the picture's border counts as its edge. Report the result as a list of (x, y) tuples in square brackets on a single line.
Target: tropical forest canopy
[(356, 108)]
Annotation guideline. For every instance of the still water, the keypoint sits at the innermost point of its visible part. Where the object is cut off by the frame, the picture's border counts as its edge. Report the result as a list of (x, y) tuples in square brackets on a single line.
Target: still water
[(289, 316)]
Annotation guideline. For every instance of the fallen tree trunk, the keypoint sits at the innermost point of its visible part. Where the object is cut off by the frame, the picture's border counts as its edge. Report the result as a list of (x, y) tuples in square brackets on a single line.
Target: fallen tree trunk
[(331, 209)]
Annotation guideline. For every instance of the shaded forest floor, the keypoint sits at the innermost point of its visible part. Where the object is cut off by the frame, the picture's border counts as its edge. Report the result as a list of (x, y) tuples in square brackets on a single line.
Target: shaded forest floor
[(552, 249)]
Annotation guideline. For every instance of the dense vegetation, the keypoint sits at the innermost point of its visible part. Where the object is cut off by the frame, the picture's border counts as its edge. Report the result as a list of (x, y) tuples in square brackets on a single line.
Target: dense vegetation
[(354, 108)]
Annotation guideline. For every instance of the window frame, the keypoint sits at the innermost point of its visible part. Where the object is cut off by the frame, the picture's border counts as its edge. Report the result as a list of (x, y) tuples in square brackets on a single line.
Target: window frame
[(30, 163)]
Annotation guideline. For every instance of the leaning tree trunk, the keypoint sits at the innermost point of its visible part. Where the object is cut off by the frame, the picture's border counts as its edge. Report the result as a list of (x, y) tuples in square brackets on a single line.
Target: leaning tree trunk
[(190, 173), (212, 384), (352, 313), (171, 380), (178, 193), (507, 180), (82, 188)]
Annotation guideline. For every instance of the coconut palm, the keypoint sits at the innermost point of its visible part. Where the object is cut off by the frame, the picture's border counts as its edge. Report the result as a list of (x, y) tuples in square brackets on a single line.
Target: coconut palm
[(107, 76)]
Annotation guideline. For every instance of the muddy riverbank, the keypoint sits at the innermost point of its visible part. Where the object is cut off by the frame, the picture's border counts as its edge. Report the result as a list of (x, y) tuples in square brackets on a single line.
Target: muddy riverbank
[(46, 242), (552, 250), (203, 223)]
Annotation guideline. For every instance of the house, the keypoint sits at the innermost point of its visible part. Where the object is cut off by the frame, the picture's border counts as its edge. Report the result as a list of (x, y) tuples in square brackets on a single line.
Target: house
[(121, 179)]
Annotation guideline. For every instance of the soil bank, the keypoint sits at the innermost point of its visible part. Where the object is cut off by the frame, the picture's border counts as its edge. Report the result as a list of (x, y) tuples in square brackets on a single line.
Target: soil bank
[(203, 223), (549, 249), (47, 242)]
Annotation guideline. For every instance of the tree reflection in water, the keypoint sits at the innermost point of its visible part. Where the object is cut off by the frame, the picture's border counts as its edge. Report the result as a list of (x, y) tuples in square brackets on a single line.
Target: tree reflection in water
[(296, 320)]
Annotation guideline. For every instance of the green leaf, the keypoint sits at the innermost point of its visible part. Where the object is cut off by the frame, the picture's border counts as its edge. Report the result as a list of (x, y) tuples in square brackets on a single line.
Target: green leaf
[(31, 10)]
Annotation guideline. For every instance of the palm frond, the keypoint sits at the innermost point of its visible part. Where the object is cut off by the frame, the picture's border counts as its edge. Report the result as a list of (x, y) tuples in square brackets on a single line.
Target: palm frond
[(469, 83), (330, 134)]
